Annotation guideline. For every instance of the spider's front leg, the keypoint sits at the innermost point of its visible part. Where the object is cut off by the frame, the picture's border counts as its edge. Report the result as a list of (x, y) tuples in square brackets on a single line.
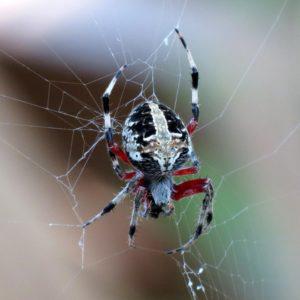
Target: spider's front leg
[(189, 188), (118, 151), (115, 152), (191, 127)]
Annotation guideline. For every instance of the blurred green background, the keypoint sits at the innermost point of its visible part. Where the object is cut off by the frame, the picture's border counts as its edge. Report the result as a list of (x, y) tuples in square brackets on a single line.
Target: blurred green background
[(55, 62)]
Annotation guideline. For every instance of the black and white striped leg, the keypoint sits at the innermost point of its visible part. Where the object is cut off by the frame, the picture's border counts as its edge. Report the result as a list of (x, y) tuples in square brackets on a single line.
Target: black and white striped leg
[(133, 220), (107, 121), (195, 78), (204, 220), (114, 202)]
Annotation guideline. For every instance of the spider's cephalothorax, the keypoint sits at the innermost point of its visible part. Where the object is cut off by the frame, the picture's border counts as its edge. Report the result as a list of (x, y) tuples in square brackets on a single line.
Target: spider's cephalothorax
[(156, 140), (157, 144)]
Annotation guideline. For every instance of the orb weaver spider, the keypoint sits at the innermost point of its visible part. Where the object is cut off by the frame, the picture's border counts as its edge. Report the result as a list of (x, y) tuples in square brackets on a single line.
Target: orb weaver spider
[(157, 144)]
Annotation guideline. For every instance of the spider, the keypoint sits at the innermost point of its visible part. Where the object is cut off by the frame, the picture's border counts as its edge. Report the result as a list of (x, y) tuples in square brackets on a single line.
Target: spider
[(157, 144)]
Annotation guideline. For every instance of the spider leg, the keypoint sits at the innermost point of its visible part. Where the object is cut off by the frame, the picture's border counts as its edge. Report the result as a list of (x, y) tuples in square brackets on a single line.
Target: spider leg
[(128, 175), (118, 151), (195, 78), (189, 188), (185, 171), (114, 202), (134, 219), (114, 150)]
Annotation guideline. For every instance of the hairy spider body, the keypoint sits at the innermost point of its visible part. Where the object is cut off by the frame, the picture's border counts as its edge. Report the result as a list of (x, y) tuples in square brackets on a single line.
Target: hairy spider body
[(157, 144), (156, 140)]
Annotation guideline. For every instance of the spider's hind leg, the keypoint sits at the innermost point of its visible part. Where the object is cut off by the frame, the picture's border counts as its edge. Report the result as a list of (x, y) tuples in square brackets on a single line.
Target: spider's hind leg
[(114, 202), (134, 219), (206, 215)]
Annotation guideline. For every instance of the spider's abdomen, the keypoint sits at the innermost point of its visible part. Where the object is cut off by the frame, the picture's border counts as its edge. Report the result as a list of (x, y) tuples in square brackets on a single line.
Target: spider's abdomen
[(155, 139)]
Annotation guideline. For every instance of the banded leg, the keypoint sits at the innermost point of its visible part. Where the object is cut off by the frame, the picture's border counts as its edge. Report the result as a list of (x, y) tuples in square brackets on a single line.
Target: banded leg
[(114, 202), (206, 214), (113, 148), (134, 219), (195, 78), (116, 150)]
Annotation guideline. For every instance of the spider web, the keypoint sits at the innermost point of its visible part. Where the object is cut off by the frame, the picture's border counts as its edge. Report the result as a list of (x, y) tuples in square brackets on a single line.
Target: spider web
[(52, 129)]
